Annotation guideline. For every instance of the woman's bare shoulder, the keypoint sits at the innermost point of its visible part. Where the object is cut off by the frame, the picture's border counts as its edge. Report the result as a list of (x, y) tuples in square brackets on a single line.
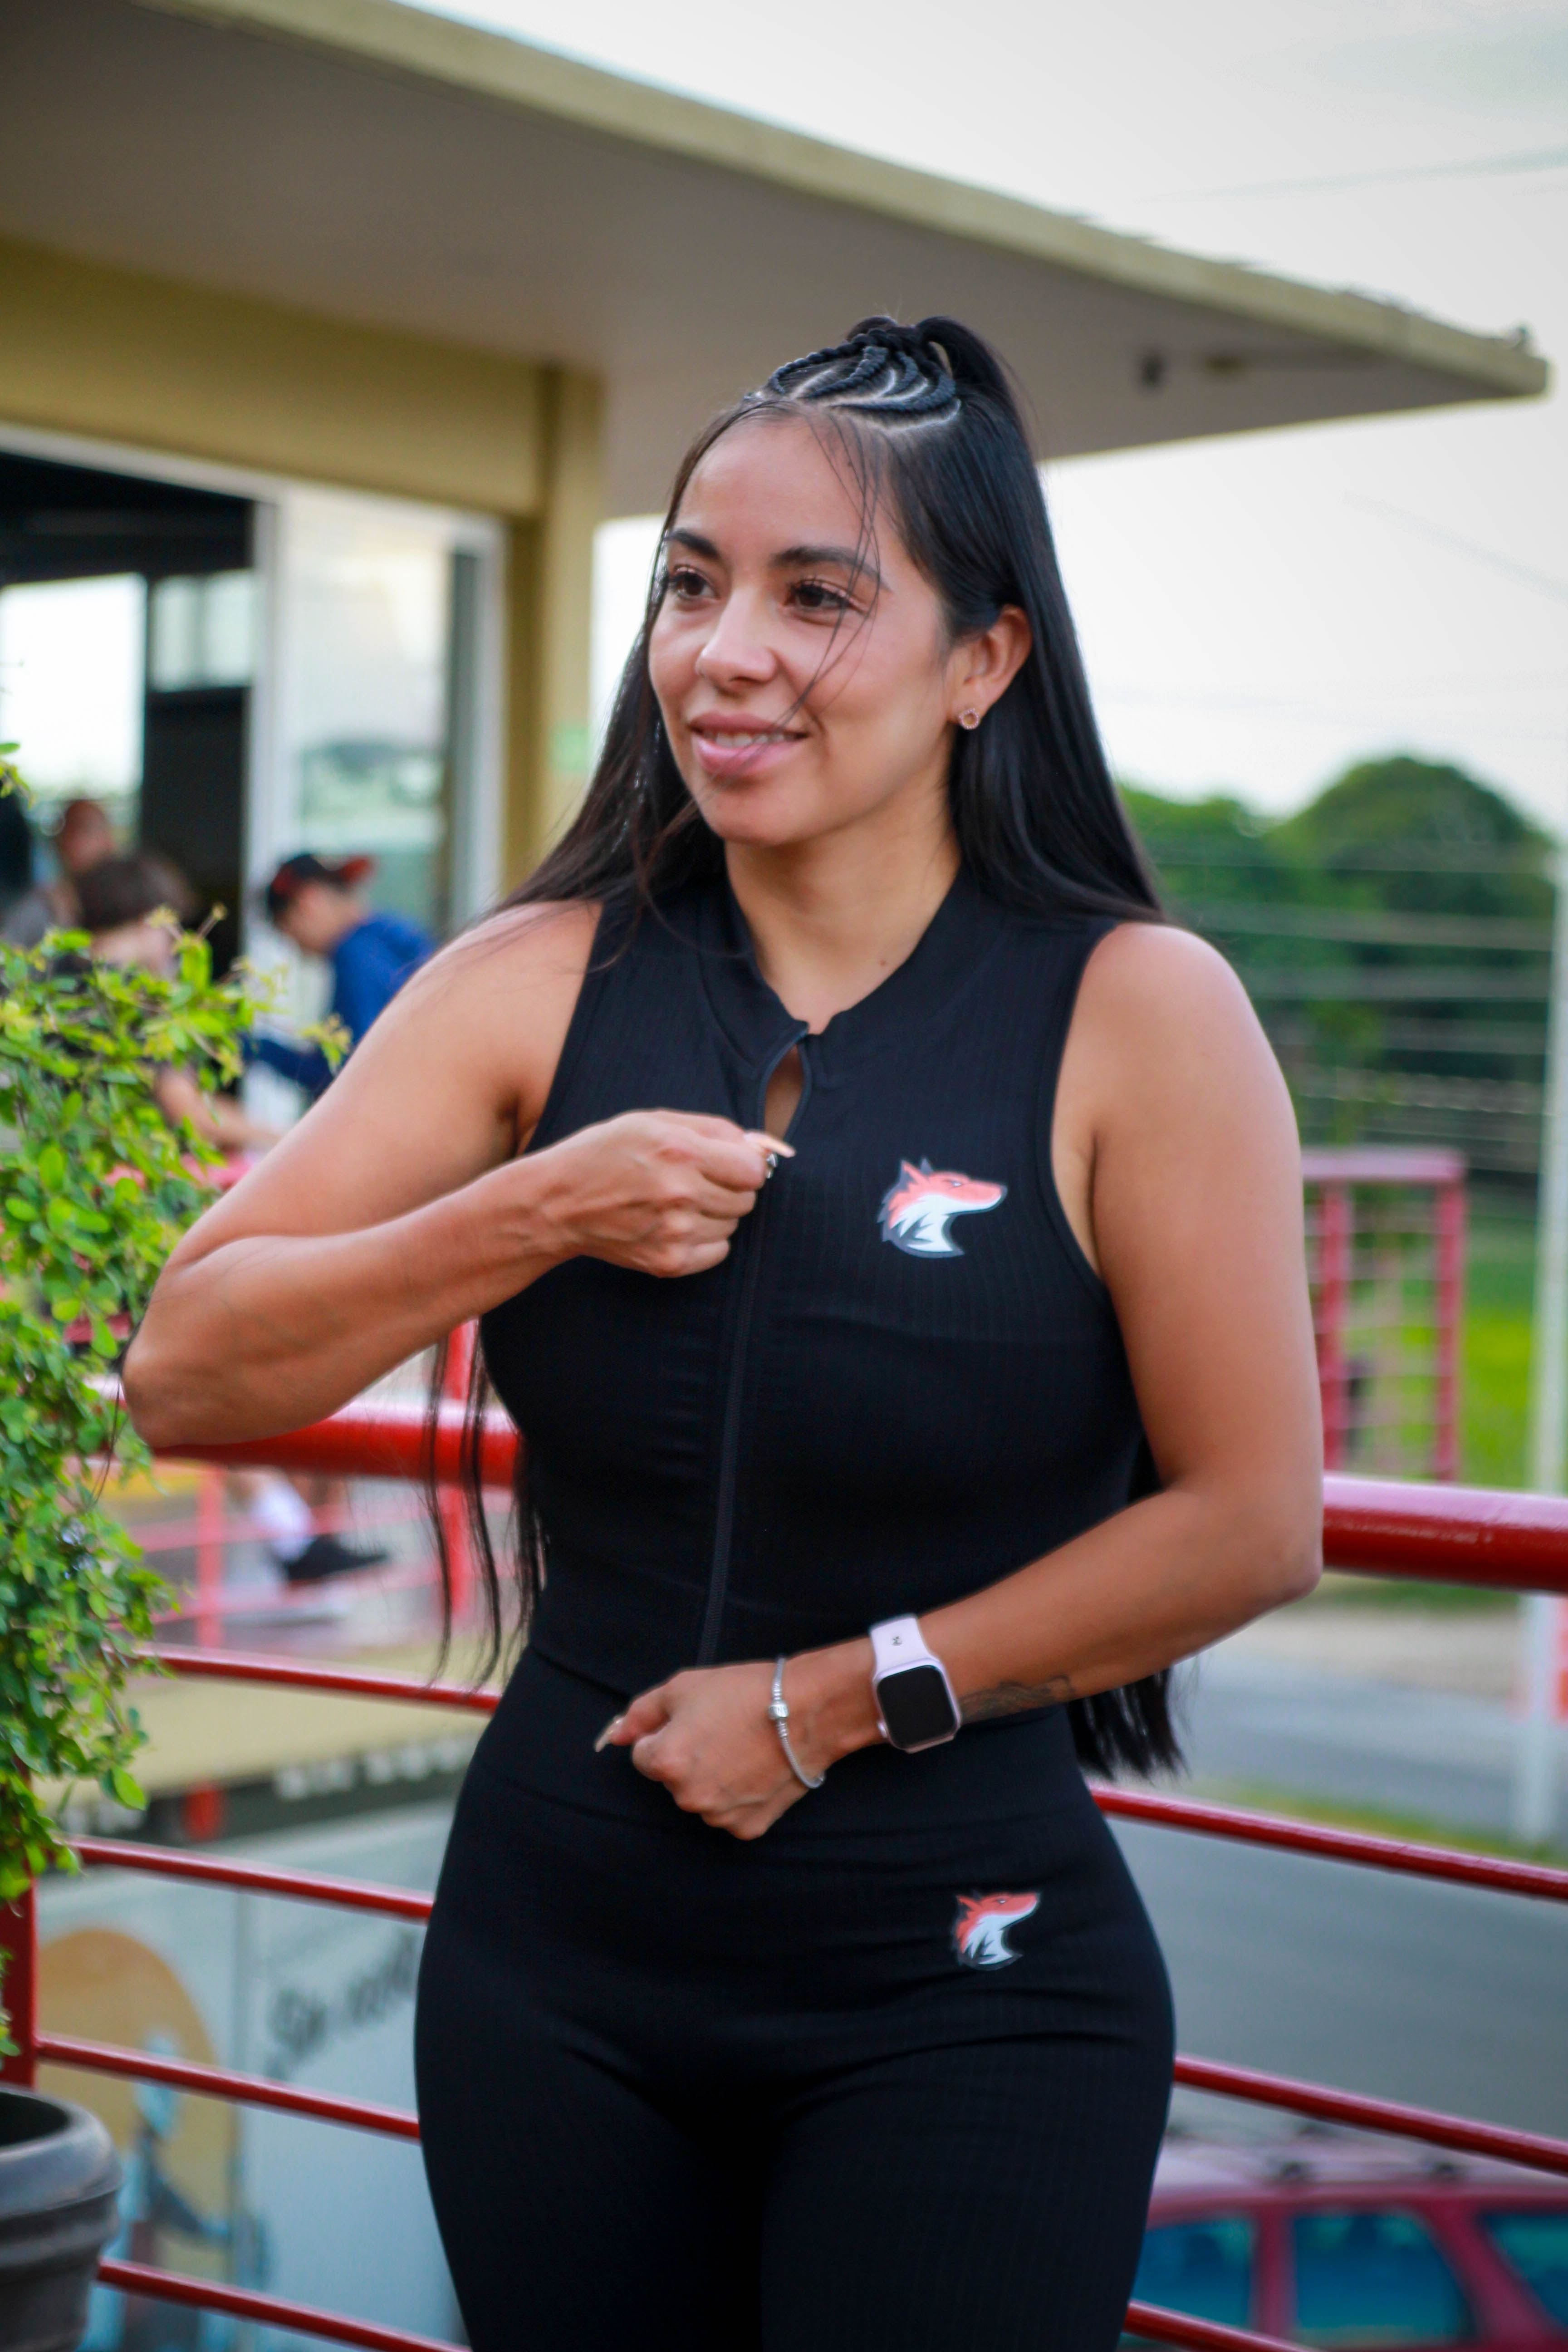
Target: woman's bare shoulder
[(543, 946), (493, 1006), (1154, 984), (1160, 1014)]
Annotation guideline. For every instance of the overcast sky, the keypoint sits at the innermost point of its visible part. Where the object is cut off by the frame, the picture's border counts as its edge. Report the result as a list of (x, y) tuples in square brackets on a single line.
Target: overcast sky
[(1251, 621)]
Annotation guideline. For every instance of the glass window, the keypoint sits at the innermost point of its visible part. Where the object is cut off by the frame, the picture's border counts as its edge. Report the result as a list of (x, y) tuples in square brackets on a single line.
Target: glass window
[(1535, 2243), (1370, 2278), (1203, 2268), (368, 588), (201, 631), (71, 660)]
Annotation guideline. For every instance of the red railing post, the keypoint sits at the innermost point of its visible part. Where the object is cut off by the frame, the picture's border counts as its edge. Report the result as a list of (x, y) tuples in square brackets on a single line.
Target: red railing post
[(452, 1504), (1448, 1217), (19, 1989), (1334, 1244)]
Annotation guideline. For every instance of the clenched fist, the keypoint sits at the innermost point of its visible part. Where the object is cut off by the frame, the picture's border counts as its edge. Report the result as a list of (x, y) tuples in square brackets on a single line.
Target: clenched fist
[(659, 1191)]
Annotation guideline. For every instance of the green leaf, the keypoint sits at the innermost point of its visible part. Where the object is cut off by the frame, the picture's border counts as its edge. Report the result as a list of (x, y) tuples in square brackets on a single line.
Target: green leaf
[(127, 1789), (51, 1167)]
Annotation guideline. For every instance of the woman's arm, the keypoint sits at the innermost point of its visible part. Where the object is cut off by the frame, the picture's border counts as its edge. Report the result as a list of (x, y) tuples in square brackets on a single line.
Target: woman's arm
[(397, 1208), (1177, 1161)]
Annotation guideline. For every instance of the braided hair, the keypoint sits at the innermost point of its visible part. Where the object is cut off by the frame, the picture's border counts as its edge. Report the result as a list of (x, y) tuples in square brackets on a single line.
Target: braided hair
[(926, 424), (881, 370)]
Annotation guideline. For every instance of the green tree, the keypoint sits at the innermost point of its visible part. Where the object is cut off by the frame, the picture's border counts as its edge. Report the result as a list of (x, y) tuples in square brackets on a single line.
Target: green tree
[(1419, 836), (1394, 937)]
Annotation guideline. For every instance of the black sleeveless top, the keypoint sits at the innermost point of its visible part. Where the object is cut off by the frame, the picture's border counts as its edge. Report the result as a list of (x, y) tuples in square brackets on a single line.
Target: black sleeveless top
[(904, 1381)]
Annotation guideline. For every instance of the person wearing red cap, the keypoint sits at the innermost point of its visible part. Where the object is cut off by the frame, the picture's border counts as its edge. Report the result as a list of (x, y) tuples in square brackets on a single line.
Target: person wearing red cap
[(319, 906)]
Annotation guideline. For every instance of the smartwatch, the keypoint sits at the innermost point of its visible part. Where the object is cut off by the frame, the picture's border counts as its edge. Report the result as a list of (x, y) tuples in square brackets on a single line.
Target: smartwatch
[(915, 1705)]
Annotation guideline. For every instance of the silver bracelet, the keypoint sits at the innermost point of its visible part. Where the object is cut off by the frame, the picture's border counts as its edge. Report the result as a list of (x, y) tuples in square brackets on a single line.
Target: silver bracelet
[(778, 1713)]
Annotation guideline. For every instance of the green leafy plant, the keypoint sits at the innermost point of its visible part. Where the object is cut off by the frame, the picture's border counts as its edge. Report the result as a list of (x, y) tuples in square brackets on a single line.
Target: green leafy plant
[(96, 1187)]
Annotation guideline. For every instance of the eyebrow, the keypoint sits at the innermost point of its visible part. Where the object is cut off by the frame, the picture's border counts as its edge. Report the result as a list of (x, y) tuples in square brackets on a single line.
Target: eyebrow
[(848, 559)]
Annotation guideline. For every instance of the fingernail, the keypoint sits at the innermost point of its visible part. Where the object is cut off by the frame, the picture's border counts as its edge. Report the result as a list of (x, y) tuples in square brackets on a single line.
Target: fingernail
[(772, 1143), (614, 1724)]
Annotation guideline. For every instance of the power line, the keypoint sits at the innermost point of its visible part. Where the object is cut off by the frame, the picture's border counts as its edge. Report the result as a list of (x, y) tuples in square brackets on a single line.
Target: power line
[(1366, 926), (1371, 857), (1544, 582)]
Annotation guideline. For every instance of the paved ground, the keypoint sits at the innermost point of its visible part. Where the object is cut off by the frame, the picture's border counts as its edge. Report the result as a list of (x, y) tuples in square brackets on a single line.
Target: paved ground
[(1264, 1724), (1473, 1652), (1393, 1708), (1442, 1996)]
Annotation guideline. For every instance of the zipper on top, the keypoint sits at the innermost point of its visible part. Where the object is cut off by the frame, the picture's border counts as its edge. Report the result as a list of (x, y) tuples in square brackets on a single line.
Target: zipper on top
[(734, 1386)]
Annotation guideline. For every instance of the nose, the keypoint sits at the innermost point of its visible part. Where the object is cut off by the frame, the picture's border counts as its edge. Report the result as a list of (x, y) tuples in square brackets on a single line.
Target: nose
[(736, 651)]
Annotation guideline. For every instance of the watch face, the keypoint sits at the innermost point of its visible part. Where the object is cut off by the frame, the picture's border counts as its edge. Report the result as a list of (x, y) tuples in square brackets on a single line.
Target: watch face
[(915, 1706)]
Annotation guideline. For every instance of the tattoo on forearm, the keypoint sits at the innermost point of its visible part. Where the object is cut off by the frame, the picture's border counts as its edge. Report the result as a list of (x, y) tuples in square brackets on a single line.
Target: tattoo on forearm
[(1016, 1698)]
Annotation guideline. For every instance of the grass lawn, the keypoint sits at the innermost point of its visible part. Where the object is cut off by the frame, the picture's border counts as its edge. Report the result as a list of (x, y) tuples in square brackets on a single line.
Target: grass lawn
[(1494, 1395), (1410, 1829)]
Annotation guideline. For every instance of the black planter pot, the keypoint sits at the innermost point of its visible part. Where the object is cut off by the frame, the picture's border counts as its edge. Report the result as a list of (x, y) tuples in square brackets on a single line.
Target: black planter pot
[(59, 2177)]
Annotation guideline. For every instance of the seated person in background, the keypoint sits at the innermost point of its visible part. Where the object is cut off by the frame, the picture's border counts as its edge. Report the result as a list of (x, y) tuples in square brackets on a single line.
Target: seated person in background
[(81, 840), (318, 907), (119, 897)]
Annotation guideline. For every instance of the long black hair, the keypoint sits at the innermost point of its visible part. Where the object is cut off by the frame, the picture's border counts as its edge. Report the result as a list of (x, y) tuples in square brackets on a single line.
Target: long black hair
[(923, 420)]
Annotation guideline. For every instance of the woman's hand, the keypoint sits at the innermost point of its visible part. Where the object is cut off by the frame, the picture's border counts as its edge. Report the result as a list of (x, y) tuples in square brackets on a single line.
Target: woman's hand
[(708, 1737), (659, 1191)]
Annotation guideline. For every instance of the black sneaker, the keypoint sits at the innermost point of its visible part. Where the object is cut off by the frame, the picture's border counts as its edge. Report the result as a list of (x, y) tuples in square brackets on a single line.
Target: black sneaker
[(326, 1555)]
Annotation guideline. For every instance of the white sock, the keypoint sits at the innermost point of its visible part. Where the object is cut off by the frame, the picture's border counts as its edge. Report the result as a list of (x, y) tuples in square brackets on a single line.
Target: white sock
[(286, 1519)]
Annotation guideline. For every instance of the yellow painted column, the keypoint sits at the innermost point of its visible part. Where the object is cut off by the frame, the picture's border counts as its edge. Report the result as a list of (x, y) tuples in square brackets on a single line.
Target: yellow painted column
[(550, 596)]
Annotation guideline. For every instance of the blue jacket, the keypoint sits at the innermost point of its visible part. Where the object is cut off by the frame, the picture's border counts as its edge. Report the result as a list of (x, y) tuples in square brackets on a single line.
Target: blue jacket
[(370, 964)]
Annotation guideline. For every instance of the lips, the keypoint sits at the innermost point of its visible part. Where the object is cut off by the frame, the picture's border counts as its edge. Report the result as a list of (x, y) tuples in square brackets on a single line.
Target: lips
[(728, 747)]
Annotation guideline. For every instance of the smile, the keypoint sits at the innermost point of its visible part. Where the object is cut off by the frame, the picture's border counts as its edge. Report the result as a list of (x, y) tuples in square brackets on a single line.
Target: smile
[(725, 738)]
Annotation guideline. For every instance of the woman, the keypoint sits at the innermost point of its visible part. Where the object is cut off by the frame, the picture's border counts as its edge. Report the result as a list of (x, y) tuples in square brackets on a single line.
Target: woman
[(867, 1197)]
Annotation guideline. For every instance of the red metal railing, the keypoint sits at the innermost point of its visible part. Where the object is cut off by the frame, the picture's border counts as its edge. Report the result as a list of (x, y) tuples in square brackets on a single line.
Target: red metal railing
[(1371, 1527), (1365, 1253), (1508, 1541)]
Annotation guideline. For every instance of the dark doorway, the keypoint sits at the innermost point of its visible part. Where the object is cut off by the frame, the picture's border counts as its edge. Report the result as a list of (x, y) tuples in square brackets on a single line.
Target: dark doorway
[(194, 548)]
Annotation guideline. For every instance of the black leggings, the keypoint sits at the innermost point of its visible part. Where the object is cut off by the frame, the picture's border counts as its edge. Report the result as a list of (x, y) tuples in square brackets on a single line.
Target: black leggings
[(682, 2095)]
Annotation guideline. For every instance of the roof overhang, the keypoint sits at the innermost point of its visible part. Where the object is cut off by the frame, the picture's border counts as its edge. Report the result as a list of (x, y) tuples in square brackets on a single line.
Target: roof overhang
[(369, 161)]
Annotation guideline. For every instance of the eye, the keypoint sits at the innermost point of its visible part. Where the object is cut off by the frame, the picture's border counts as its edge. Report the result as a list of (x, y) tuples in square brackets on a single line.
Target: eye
[(684, 583), (820, 596)]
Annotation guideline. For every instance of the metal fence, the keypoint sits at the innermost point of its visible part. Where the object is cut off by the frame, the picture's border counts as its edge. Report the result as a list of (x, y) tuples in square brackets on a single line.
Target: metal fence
[(1385, 1254), (1511, 1542)]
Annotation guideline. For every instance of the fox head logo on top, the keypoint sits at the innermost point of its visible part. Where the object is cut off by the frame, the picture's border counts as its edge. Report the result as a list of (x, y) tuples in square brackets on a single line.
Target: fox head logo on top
[(916, 1214), (980, 1930)]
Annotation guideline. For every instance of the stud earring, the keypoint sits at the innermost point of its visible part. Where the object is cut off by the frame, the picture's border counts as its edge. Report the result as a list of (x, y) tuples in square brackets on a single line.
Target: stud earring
[(969, 718)]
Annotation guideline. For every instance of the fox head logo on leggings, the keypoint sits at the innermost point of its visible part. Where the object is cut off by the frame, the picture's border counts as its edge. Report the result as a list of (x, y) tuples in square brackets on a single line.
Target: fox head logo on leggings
[(916, 1213), (980, 1930)]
